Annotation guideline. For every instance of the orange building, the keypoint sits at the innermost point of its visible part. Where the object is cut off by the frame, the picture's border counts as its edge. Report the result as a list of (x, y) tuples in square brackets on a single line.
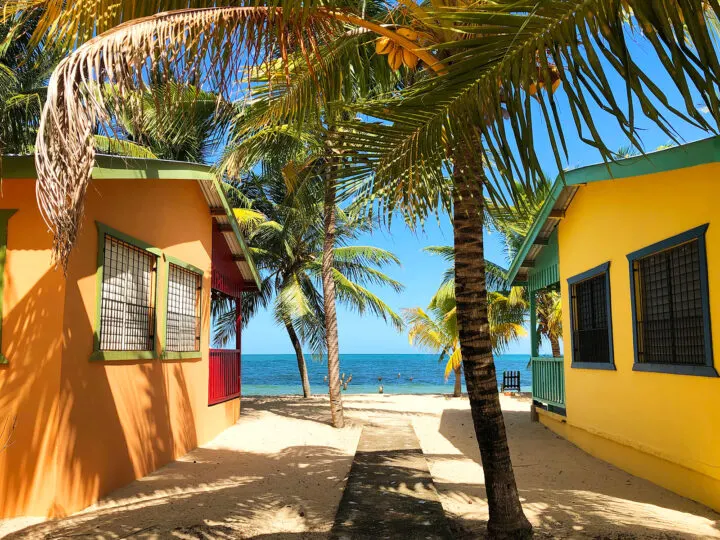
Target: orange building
[(106, 371)]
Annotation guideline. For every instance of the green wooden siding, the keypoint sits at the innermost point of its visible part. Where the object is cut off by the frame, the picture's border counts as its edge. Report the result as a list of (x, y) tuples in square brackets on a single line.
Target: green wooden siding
[(548, 380), (546, 270)]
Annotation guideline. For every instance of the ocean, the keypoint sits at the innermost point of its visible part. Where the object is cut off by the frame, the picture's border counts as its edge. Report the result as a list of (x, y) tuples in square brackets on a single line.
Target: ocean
[(277, 374)]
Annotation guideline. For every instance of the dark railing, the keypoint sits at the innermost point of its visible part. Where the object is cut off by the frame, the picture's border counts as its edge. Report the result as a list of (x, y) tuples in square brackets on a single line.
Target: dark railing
[(224, 381), (548, 380)]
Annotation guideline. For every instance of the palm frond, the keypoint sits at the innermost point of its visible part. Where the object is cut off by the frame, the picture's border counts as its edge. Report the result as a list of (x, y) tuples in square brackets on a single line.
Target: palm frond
[(423, 331), (488, 108), (121, 147), (190, 46), (453, 363), (360, 299), (446, 252)]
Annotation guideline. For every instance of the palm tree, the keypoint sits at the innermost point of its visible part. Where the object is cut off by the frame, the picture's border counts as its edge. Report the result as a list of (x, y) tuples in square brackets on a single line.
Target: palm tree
[(173, 121), (549, 320), (258, 132), (514, 224), (436, 329), (486, 63), (24, 71), (25, 68), (287, 241)]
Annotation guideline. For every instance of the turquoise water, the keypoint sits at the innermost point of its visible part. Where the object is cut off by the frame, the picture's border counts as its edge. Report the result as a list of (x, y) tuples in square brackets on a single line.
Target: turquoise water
[(277, 374)]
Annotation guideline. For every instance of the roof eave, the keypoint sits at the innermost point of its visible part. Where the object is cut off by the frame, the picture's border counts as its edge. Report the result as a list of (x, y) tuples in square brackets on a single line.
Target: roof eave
[(692, 154), (108, 167)]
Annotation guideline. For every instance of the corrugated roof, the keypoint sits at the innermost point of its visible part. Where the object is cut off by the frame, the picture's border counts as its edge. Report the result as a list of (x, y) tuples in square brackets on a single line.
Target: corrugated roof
[(563, 190), (127, 168)]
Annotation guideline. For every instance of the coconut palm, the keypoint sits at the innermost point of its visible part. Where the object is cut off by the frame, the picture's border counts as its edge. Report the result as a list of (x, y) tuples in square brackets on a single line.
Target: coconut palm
[(436, 328), (513, 224), (286, 239), (24, 72), (173, 121), (549, 320), (25, 68), (477, 99), (258, 133)]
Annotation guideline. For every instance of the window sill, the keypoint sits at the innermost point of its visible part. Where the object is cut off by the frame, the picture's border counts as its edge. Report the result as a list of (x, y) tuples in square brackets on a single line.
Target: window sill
[(119, 356), (675, 369), (593, 365), (181, 355)]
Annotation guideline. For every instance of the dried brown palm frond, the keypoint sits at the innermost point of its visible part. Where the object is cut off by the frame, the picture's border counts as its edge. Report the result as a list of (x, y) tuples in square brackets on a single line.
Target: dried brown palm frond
[(214, 48)]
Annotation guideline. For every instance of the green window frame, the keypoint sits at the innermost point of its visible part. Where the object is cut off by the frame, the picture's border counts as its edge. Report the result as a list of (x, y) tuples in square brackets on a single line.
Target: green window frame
[(5, 216), (662, 268), (187, 269), (120, 355), (600, 307)]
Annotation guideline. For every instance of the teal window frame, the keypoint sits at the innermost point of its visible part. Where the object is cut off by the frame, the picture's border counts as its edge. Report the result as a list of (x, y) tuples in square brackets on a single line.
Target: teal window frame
[(707, 369), (603, 271), (5, 215), (119, 356), (178, 355)]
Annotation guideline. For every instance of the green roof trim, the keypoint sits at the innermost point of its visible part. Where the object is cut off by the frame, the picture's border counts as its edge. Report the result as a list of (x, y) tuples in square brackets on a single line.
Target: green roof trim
[(684, 156), (117, 168), (129, 168)]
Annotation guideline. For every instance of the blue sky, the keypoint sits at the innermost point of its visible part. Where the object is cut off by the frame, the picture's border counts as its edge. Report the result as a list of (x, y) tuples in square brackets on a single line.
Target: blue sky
[(421, 273)]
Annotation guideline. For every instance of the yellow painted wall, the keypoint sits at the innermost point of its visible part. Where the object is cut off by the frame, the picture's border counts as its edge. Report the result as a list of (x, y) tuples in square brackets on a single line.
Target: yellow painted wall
[(675, 418), (107, 423)]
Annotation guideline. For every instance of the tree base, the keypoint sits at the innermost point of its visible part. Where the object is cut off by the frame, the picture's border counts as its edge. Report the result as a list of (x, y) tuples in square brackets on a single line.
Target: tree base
[(511, 531)]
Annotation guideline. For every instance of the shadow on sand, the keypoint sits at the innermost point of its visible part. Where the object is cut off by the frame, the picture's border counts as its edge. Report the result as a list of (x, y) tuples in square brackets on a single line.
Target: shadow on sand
[(225, 493), (566, 492)]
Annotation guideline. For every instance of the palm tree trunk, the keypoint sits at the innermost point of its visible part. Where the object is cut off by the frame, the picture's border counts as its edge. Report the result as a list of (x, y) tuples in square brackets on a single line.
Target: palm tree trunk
[(507, 519), (333, 347), (302, 367), (555, 346), (458, 383)]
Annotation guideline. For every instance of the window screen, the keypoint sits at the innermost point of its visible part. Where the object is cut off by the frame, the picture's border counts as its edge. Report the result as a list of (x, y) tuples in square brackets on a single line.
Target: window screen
[(591, 329), (127, 314), (183, 312), (669, 306)]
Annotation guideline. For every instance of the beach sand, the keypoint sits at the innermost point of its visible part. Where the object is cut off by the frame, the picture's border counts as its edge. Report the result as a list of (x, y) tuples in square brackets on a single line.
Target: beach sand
[(280, 471)]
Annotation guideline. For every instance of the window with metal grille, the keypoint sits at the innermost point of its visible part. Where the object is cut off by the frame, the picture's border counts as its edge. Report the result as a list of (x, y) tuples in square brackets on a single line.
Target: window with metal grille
[(590, 314), (183, 311), (127, 312), (669, 312)]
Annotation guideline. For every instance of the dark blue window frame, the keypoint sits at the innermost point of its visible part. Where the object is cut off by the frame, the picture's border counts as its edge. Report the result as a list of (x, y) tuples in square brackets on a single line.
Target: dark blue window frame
[(708, 369), (603, 269)]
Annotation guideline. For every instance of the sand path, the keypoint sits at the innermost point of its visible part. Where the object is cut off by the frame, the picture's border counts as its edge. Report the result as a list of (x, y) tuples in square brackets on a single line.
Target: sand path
[(280, 473)]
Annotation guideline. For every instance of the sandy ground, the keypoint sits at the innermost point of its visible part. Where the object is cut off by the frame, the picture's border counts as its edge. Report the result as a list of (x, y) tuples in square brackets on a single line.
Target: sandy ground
[(280, 472)]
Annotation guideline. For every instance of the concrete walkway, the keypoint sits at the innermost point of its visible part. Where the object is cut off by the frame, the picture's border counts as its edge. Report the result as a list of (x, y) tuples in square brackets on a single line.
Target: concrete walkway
[(389, 492)]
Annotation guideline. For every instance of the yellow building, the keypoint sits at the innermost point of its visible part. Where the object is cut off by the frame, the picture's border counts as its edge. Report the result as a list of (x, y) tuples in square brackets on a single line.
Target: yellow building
[(634, 248)]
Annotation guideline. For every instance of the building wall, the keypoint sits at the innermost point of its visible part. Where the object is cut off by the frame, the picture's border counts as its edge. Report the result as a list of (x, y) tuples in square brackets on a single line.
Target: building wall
[(107, 423), (663, 427), (32, 340)]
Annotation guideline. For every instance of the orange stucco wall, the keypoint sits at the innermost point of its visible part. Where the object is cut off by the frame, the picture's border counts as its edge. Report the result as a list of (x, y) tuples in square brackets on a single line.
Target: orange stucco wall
[(86, 427)]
